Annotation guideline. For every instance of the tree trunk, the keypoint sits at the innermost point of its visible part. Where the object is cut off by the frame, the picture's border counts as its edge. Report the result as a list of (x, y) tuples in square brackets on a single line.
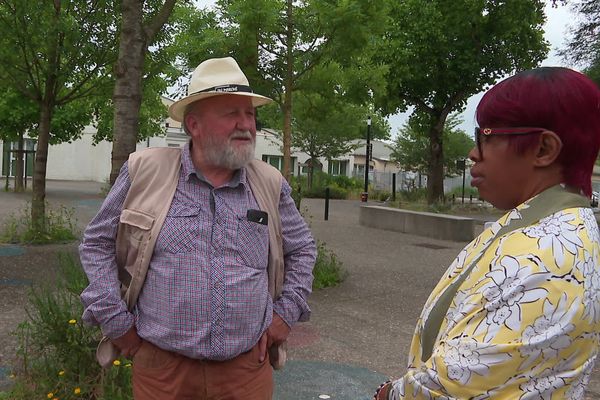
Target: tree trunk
[(19, 170), (127, 96), (287, 102), (435, 173), (38, 203)]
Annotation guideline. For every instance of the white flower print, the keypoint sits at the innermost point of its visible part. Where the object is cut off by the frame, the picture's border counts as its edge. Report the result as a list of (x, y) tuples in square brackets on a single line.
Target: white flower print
[(423, 380), (577, 389), (591, 226), (463, 304), (458, 264), (549, 333), (588, 266), (465, 356), (544, 385), (508, 285), (556, 232)]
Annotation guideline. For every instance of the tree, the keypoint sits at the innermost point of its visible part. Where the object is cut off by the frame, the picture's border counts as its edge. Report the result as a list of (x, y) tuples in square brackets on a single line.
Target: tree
[(583, 46), (438, 56), (54, 53), (279, 42), (411, 146), (140, 24), (328, 114)]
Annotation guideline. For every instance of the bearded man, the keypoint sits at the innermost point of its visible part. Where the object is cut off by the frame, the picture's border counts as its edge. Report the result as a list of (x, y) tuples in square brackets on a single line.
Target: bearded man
[(206, 316)]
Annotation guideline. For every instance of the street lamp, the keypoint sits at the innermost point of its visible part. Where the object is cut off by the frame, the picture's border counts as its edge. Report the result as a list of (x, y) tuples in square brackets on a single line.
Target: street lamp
[(365, 195)]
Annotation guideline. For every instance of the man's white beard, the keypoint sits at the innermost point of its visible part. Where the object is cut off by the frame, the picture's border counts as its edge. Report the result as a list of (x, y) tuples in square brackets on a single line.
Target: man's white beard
[(221, 153)]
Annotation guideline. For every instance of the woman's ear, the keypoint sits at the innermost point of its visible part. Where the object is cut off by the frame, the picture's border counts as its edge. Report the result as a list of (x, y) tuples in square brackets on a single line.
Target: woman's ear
[(548, 149)]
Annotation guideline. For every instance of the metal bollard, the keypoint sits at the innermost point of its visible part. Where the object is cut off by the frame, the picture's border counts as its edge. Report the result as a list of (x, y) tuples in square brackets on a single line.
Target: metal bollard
[(326, 204)]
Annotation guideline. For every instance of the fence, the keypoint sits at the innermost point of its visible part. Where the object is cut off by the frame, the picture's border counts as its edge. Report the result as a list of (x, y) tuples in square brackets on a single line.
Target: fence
[(407, 181)]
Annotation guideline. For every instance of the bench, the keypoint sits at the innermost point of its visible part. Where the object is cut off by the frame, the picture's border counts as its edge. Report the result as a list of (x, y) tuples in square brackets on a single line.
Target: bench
[(436, 226)]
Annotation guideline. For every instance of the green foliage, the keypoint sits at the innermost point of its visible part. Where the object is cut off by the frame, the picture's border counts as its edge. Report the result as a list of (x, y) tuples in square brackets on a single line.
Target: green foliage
[(328, 269), (60, 227), (340, 186), (469, 191), (380, 195), (411, 147), (57, 350), (439, 55), (316, 51)]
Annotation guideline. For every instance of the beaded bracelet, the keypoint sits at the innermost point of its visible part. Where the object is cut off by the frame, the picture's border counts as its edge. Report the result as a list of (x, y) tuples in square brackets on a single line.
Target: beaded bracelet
[(381, 387)]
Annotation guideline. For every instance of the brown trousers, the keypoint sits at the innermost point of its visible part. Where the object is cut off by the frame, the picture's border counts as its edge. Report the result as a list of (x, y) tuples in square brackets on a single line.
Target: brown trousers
[(161, 375)]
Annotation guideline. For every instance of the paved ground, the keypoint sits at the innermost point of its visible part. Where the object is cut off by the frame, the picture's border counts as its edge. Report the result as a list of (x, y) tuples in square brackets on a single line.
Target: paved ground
[(360, 331)]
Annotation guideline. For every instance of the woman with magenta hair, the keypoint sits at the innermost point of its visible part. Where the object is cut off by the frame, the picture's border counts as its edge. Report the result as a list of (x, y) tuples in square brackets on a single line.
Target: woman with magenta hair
[(517, 314)]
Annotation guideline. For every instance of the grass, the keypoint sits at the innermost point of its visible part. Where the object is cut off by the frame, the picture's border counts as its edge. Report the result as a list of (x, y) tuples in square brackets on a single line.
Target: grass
[(328, 270), (60, 227)]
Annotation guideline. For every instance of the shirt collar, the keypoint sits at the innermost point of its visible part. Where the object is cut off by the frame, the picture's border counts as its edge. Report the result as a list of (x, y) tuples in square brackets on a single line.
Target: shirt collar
[(187, 165)]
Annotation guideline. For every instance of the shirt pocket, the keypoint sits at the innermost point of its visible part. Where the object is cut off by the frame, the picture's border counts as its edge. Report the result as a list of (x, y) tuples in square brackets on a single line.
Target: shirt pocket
[(252, 244), (180, 231)]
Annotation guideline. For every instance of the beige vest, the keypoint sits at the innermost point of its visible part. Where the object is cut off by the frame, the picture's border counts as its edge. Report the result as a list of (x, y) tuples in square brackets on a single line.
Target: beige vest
[(154, 175)]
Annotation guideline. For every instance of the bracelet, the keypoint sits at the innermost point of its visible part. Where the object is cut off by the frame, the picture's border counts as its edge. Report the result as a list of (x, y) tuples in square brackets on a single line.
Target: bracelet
[(384, 384)]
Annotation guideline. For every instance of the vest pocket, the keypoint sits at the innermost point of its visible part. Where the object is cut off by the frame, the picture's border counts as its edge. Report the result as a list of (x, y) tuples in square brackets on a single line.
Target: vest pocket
[(134, 228)]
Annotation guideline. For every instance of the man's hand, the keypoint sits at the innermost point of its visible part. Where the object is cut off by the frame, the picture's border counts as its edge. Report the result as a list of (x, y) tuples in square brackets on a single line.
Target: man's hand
[(276, 333), (129, 343)]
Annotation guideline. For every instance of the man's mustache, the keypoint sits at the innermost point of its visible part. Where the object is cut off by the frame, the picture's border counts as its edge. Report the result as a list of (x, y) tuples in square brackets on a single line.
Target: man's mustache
[(241, 135)]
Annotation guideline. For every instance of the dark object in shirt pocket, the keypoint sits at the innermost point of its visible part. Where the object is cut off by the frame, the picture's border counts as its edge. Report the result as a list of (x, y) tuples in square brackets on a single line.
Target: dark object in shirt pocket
[(179, 233), (258, 216), (252, 244)]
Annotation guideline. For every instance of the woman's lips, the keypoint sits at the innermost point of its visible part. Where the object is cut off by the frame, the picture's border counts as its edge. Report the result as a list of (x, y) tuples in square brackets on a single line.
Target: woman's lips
[(476, 179)]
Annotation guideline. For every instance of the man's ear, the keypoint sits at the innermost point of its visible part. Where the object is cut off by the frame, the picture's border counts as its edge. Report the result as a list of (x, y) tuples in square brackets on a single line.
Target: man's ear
[(191, 122), (548, 149)]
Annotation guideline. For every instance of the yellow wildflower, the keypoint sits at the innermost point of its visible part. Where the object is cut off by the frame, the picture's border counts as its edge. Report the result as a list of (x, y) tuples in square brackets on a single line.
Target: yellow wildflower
[(72, 321), (77, 390), (117, 363), (128, 365), (12, 376), (50, 395), (55, 398), (61, 373)]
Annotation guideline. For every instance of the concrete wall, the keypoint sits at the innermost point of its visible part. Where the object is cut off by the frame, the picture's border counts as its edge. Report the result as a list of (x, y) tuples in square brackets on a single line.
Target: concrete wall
[(437, 226)]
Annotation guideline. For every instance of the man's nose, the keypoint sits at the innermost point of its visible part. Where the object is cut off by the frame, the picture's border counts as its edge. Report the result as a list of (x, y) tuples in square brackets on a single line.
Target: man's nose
[(246, 122)]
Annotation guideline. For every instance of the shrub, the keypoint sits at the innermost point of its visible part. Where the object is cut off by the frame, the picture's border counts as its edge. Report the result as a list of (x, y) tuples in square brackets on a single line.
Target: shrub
[(60, 227), (328, 269), (57, 351)]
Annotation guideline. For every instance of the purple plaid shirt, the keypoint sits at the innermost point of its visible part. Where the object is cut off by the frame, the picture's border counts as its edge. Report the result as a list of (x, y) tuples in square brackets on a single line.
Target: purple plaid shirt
[(205, 295)]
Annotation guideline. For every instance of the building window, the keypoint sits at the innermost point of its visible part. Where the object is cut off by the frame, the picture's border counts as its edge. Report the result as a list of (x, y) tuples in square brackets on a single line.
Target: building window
[(9, 157), (337, 167), (277, 162)]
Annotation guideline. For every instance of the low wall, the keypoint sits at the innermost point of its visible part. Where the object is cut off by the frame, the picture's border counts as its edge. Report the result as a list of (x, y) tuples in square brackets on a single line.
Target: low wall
[(437, 226)]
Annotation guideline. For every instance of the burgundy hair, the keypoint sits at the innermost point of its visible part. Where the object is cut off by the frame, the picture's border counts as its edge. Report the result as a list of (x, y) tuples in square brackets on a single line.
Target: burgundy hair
[(558, 99)]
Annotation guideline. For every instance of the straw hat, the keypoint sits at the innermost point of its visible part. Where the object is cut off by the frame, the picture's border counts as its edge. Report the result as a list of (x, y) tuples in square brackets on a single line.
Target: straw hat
[(215, 77)]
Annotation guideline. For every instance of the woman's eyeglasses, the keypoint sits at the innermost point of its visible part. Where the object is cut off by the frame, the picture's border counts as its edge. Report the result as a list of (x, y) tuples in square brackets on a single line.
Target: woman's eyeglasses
[(482, 133)]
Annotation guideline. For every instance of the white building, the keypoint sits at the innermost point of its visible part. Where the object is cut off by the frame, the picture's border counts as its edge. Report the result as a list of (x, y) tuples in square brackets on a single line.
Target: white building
[(83, 161)]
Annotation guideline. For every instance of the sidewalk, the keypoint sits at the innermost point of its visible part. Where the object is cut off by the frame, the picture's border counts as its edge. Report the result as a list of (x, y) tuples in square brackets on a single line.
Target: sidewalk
[(360, 331)]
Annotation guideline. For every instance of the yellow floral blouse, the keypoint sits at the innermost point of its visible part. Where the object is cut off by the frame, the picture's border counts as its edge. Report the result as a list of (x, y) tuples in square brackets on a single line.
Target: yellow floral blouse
[(524, 324)]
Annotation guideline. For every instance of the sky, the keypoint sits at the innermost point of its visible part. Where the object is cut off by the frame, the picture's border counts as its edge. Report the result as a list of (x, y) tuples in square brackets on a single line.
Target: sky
[(555, 32)]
